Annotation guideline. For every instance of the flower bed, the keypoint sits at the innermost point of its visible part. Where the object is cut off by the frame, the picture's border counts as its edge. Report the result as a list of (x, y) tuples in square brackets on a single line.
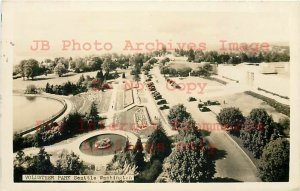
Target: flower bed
[(140, 119)]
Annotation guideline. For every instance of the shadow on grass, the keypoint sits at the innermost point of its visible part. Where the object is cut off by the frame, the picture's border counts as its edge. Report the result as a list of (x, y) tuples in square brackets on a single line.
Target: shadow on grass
[(224, 180), (41, 78)]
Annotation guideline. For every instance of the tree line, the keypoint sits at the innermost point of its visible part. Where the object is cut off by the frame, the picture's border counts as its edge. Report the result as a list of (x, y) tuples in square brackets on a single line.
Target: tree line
[(232, 57), (261, 136), (66, 164)]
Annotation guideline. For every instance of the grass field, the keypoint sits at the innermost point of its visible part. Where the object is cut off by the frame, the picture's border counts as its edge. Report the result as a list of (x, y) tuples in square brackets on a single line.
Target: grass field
[(246, 103)]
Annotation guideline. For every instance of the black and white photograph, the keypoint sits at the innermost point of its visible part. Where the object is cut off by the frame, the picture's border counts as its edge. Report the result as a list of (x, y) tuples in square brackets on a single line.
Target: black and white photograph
[(149, 92)]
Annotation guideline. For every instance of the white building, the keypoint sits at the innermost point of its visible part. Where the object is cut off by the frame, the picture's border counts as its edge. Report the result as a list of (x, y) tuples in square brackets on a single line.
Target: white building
[(273, 77)]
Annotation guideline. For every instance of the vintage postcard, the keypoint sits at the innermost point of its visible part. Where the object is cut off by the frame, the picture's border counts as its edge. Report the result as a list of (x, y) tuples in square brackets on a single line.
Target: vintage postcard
[(96, 94)]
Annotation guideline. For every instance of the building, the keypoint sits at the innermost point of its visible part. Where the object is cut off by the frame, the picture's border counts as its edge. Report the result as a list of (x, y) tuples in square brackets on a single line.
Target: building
[(271, 77)]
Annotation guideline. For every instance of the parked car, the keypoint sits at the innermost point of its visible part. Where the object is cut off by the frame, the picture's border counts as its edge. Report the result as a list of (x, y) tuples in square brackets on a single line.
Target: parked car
[(204, 109), (162, 101), (157, 97), (191, 99), (164, 107), (200, 105), (215, 103), (152, 88)]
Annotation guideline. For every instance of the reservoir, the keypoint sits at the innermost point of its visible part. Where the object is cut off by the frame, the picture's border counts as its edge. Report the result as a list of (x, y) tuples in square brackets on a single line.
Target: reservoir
[(29, 111)]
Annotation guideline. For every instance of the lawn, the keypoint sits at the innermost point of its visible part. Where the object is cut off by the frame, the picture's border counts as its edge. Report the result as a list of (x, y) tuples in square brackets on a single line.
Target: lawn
[(246, 103), (82, 102)]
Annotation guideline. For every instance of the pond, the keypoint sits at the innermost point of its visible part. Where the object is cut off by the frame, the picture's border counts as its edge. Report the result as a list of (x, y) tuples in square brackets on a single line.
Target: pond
[(31, 110), (101, 145)]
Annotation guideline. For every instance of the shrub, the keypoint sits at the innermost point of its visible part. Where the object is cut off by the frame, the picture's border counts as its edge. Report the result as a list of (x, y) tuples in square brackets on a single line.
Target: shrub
[(150, 173), (31, 89), (279, 107), (231, 119), (274, 163)]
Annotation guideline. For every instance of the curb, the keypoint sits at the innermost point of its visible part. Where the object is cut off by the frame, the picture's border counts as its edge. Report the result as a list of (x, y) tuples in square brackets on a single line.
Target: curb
[(50, 119), (238, 146)]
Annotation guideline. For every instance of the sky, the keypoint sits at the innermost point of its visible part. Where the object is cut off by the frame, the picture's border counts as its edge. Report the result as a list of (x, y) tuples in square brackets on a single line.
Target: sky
[(42, 22)]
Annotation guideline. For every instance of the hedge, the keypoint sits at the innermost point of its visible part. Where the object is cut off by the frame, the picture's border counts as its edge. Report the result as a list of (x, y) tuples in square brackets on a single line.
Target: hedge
[(279, 107)]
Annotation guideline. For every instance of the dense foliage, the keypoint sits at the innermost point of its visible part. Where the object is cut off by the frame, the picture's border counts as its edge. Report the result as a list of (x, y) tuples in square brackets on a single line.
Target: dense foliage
[(158, 145), (234, 58), (41, 164), (274, 163), (177, 115), (231, 119), (259, 129)]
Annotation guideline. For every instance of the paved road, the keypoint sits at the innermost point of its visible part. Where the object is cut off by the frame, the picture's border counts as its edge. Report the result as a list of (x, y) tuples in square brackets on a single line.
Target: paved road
[(234, 164)]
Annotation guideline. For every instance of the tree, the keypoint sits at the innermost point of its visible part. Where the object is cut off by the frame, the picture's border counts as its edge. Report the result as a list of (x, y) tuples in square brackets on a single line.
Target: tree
[(29, 68), (19, 169), (231, 119), (158, 145), (137, 78), (152, 61), (190, 166), (177, 115), (17, 142), (31, 89), (208, 67), (72, 124), (260, 118), (94, 114), (69, 164), (274, 163), (138, 159), (100, 76), (108, 65), (184, 72), (191, 55), (258, 130), (60, 69), (96, 63), (40, 163), (189, 133), (81, 80)]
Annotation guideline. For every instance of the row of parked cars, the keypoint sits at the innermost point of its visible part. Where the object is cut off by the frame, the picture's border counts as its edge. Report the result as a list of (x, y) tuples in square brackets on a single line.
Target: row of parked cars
[(156, 95)]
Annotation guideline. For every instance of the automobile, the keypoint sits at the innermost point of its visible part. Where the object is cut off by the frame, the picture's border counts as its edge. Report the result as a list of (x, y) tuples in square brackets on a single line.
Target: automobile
[(191, 99), (152, 88), (164, 107), (204, 109), (148, 80), (177, 86), (200, 105), (215, 103), (155, 92), (162, 101), (157, 97), (150, 85)]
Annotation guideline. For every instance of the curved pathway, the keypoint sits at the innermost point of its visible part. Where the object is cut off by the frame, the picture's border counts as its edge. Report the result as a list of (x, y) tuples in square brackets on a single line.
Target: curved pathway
[(234, 164), (75, 143)]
